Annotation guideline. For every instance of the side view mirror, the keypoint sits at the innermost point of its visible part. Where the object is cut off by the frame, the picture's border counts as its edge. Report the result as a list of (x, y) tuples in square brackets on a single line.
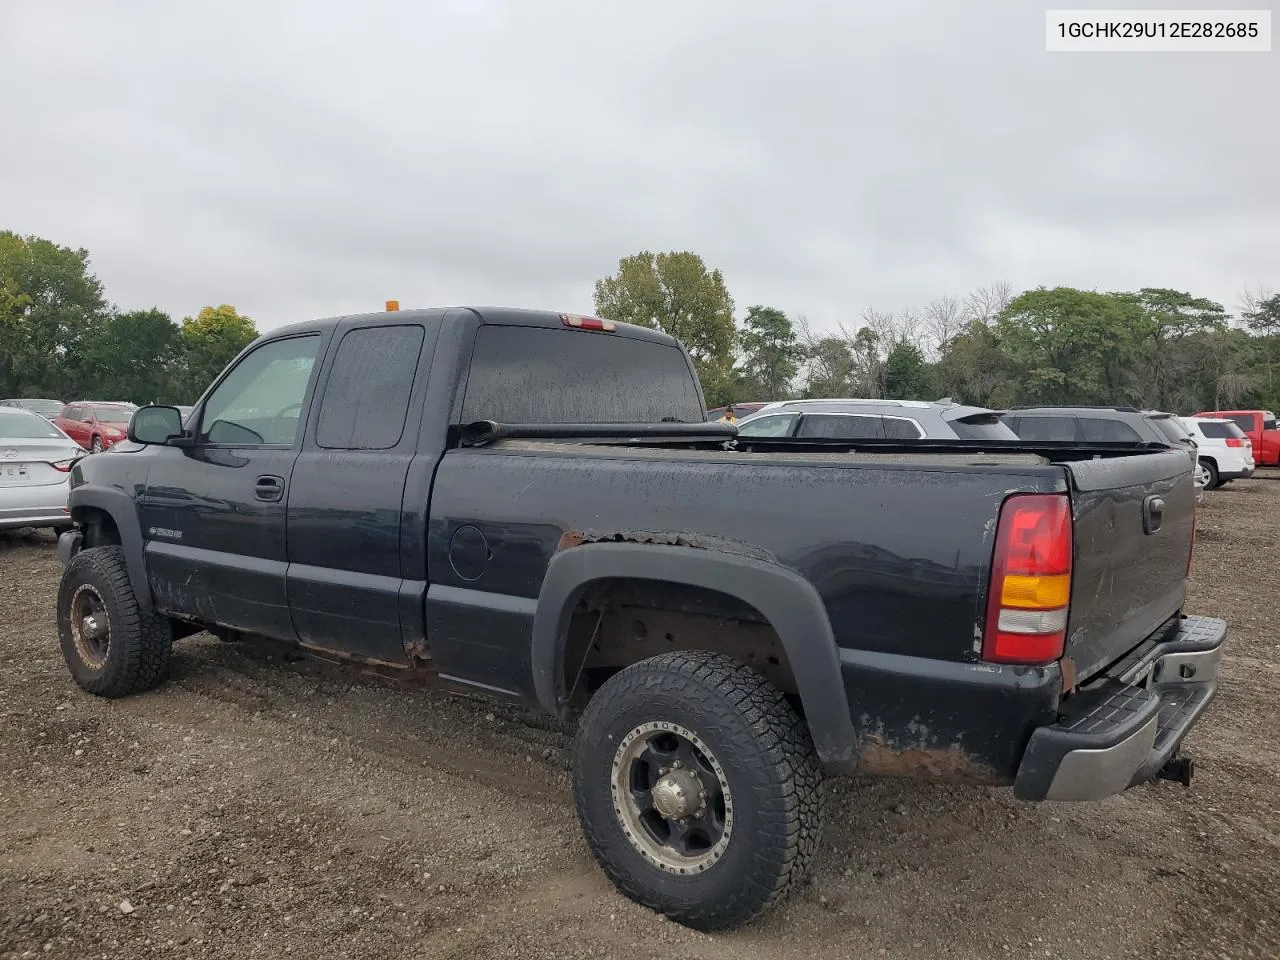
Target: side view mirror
[(156, 425)]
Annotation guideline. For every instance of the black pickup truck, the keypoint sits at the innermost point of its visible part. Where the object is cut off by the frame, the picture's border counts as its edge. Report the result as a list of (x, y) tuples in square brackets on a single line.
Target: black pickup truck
[(530, 505)]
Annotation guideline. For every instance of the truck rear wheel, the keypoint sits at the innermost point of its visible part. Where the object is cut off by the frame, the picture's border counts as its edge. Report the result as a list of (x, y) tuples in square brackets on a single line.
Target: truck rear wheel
[(112, 648), (697, 786)]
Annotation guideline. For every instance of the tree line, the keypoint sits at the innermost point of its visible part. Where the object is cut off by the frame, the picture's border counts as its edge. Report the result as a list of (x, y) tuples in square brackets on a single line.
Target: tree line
[(61, 339), (1154, 348)]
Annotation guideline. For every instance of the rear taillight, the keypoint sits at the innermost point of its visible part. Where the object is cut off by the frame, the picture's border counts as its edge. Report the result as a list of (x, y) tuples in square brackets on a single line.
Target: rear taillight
[(1030, 581), (1235, 442), (63, 466)]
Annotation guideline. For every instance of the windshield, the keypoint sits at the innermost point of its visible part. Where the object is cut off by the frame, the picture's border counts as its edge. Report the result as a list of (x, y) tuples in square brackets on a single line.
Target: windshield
[(23, 425), (112, 414)]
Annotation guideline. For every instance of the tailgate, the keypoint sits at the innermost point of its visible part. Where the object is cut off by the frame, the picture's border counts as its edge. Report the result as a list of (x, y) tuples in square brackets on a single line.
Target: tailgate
[(1134, 523)]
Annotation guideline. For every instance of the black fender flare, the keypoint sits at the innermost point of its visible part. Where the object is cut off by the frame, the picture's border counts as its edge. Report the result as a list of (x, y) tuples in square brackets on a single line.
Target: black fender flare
[(788, 601), (124, 513)]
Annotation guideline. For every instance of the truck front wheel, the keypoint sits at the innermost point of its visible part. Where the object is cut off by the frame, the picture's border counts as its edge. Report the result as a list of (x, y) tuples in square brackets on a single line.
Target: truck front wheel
[(697, 786), (110, 645)]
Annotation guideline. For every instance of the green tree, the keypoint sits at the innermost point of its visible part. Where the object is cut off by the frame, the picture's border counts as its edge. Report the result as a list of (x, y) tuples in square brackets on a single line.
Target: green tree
[(1171, 319), (676, 293), (136, 356), (1072, 346), (973, 368), (831, 368), (771, 354), (906, 375), (211, 339), (1262, 318), (49, 304)]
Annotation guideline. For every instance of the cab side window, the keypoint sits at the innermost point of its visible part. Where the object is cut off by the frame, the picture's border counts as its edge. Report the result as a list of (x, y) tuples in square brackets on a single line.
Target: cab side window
[(260, 401), (366, 397)]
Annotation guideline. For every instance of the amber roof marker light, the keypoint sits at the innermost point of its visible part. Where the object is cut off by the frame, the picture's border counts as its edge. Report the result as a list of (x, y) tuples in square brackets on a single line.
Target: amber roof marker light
[(392, 306)]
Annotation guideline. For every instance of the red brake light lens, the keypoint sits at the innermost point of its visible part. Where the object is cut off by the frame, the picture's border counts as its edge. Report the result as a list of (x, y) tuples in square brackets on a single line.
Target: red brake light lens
[(63, 466), (1234, 442), (587, 323), (1030, 581), (1037, 531)]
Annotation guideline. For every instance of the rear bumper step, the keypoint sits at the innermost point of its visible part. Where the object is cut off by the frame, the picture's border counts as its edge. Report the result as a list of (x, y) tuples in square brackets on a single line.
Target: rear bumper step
[(1123, 732)]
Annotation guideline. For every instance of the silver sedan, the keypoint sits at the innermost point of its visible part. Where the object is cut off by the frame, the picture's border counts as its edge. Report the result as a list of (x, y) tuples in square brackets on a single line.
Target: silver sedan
[(35, 467)]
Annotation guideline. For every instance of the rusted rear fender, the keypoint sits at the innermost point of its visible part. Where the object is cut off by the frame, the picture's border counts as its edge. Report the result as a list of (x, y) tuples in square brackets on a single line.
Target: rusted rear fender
[(788, 601)]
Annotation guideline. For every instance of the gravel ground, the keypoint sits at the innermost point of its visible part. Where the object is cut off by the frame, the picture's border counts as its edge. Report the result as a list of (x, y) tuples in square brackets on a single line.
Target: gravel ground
[(257, 805)]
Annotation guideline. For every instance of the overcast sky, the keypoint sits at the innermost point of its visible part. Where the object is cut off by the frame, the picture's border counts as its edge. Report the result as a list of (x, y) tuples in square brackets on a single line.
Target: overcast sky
[(317, 157)]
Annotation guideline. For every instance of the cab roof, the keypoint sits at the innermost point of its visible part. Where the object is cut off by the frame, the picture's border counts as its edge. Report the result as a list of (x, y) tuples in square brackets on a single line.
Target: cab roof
[(497, 316)]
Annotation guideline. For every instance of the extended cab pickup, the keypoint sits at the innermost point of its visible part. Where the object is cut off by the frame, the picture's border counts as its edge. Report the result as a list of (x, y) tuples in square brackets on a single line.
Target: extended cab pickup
[(531, 506)]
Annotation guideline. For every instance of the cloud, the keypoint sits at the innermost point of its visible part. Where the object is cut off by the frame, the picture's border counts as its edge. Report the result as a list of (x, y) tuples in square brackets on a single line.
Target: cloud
[(312, 158)]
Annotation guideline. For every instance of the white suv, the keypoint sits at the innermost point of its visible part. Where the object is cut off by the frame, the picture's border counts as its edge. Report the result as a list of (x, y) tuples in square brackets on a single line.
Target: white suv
[(1225, 452)]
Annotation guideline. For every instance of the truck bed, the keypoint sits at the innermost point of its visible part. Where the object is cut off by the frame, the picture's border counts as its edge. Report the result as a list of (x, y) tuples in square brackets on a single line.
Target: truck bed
[(898, 543)]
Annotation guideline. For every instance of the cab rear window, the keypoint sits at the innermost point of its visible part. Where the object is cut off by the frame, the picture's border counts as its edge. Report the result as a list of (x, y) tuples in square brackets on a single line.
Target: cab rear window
[(540, 375)]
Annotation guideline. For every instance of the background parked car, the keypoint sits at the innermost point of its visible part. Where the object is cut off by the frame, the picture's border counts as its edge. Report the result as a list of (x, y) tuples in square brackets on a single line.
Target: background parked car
[(874, 420), (46, 408), (1261, 429), (740, 410), (95, 425), (35, 465), (1099, 425), (1224, 451)]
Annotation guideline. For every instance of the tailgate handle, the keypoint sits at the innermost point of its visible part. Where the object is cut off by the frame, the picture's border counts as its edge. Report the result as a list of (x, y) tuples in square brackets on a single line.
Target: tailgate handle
[(1152, 514)]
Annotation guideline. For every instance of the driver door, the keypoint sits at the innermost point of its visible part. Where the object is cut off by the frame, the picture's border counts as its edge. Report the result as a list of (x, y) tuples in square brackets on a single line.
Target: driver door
[(213, 515)]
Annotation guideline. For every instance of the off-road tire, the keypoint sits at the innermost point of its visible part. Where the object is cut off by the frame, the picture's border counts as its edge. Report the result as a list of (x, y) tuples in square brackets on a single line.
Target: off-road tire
[(767, 757), (1212, 470), (137, 656)]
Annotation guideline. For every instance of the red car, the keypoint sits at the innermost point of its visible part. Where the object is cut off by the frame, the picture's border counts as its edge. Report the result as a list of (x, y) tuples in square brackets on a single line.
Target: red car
[(1260, 427), (95, 426)]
